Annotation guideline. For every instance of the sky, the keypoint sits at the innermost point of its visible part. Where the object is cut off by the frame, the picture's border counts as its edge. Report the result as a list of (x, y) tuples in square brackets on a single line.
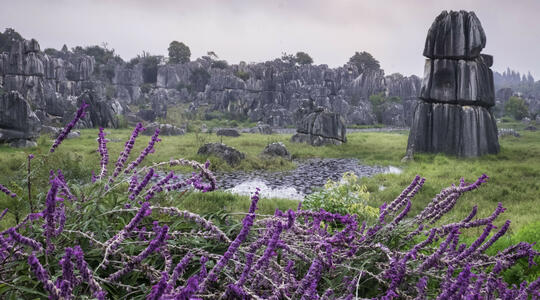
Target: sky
[(393, 31)]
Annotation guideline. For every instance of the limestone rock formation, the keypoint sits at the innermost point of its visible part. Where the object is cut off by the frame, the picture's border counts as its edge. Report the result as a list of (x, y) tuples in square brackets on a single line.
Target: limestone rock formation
[(457, 91), (18, 123), (228, 154), (319, 128)]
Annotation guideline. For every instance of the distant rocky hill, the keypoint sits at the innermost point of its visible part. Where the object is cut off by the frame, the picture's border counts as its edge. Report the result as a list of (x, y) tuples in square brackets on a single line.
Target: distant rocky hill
[(55, 82)]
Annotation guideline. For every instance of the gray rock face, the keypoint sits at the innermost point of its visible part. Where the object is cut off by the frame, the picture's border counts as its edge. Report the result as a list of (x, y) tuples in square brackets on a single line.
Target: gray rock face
[(454, 114), (164, 129), (455, 34), (320, 128), (466, 82), (276, 149), (228, 132), (18, 123), (228, 154)]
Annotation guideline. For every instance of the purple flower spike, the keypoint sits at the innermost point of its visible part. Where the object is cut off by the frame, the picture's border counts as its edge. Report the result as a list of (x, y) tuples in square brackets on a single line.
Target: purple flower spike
[(127, 149), (6, 191), (43, 276), (62, 136), (149, 149), (141, 185)]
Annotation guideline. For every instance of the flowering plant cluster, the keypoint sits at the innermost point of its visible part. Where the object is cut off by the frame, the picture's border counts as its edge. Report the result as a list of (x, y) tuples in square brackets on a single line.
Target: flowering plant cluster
[(346, 196), (114, 238)]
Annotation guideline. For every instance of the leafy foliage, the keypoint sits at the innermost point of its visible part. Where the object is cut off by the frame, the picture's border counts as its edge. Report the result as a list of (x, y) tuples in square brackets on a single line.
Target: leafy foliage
[(302, 58), (101, 54), (178, 52), (364, 61), (515, 107), (378, 101), (345, 197), (8, 38)]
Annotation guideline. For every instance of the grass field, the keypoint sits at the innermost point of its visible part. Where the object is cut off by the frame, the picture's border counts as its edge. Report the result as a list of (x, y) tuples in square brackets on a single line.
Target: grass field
[(514, 173)]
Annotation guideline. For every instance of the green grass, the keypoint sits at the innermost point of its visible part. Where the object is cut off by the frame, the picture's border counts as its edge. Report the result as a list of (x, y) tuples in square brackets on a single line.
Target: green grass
[(514, 173)]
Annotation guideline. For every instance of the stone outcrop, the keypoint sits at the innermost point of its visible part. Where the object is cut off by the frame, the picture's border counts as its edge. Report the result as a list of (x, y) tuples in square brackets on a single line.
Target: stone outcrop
[(54, 82), (228, 132), (319, 128), (457, 92), (19, 125), (228, 154), (276, 149)]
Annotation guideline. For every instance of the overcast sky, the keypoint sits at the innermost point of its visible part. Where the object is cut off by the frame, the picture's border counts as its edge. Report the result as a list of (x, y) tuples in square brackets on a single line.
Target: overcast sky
[(253, 31)]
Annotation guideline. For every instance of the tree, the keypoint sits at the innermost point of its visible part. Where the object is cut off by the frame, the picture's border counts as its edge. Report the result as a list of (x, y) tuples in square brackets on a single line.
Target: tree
[(179, 52), (303, 58), (8, 38), (515, 107), (364, 61)]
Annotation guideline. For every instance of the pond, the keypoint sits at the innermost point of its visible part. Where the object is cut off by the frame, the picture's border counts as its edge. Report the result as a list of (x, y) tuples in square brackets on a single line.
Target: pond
[(295, 184)]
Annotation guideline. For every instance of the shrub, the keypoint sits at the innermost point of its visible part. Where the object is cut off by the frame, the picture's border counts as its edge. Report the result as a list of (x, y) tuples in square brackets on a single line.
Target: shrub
[(515, 107), (242, 75), (344, 197), (220, 64)]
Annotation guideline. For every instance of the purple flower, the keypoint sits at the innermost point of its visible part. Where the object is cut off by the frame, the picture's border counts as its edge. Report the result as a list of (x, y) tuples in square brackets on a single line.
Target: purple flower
[(86, 274), (43, 276), (149, 149), (62, 136), (6, 191), (240, 238), (141, 185), (159, 288), (125, 153), (24, 240)]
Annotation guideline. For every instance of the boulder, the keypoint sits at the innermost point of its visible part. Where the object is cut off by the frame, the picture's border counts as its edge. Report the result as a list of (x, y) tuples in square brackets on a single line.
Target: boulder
[(455, 34), (228, 154), (164, 129), (319, 128), (228, 132), (17, 120), (531, 128), (261, 128), (276, 149)]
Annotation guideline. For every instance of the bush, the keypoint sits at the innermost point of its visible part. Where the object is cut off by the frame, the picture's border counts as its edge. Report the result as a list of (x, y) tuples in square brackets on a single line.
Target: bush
[(344, 197), (303, 58), (515, 107), (242, 75), (220, 64)]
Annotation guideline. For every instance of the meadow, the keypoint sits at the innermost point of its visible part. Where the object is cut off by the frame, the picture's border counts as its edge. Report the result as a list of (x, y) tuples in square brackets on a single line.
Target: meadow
[(514, 174)]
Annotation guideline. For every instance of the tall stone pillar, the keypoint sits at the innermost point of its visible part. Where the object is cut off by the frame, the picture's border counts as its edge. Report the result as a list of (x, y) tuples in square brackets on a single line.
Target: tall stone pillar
[(454, 113)]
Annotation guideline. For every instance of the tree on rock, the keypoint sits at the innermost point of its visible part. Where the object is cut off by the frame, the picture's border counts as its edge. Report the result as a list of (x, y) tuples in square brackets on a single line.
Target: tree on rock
[(364, 61), (303, 58), (8, 38), (179, 52)]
